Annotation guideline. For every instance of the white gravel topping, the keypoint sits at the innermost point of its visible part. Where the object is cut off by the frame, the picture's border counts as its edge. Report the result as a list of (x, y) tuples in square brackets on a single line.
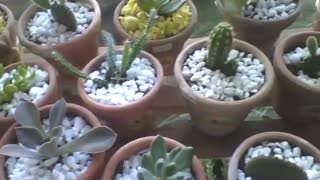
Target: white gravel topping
[(66, 167), (42, 29), (283, 150), (296, 56), (141, 77), (131, 166), (215, 85), (269, 9), (39, 87)]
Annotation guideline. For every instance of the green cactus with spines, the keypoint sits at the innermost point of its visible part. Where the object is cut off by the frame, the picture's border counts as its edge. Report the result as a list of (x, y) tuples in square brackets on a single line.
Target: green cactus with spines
[(267, 168), (60, 12), (219, 46), (311, 64)]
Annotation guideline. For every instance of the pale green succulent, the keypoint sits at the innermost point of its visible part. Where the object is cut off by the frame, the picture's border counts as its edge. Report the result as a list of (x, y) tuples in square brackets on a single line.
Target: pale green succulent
[(163, 7), (37, 143), (159, 164)]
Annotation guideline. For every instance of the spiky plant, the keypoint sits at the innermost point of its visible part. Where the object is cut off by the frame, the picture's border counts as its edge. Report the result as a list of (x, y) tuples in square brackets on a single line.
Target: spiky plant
[(38, 143), (162, 7), (60, 12), (219, 46), (159, 164), (267, 168), (114, 74), (311, 64)]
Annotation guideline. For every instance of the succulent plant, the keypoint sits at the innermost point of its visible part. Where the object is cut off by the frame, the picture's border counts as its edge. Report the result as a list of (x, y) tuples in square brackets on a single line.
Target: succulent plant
[(38, 143), (267, 168), (214, 169), (219, 46), (311, 64), (3, 23), (160, 164), (60, 12), (163, 7), (130, 52)]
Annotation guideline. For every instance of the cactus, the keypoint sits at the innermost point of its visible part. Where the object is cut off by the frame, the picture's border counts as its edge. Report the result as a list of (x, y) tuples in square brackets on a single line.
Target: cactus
[(31, 134), (60, 12), (219, 46), (266, 168), (311, 64), (158, 164), (163, 7)]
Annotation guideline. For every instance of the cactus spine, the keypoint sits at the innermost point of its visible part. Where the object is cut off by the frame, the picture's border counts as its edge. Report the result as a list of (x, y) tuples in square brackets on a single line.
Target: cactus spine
[(219, 46)]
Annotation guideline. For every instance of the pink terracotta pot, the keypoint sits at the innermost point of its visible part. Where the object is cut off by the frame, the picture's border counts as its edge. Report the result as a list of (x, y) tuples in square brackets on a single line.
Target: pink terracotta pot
[(96, 167), (237, 159), (126, 119), (134, 147), (50, 96)]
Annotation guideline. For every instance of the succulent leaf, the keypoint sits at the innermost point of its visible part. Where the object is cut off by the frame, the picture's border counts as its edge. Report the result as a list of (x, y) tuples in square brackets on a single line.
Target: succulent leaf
[(147, 163), (22, 70), (63, 15), (158, 149), (57, 113), (56, 132), (96, 140), (29, 137), (173, 153), (159, 168), (10, 89), (183, 159), (170, 169), (144, 174), (171, 7), (14, 150), (266, 168), (45, 4), (50, 148)]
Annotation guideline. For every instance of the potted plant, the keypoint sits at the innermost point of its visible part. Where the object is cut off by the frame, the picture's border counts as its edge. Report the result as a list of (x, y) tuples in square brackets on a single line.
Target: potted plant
[(222, 80), (120, 85), (154, 157), (296, 66), (259, 22), (175, 23), (277, 156), (54, 142), (64, 26), (28, 81)]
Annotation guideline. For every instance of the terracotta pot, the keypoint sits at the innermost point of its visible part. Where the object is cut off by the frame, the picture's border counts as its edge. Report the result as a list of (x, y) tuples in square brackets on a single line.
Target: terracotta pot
[(296, 101), (220, 118), (94, 170), (237, 159), (79, 50), (50, 97), (134, 147), (260, 33), (166, 50), (124, 119), (316, 23)]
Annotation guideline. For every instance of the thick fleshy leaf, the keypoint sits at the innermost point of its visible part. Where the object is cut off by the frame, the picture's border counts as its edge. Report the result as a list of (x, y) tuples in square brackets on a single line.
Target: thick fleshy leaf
[(170, 169), (159, 167), (183, 159), (173, 153), (42, 3), (57, 113), (171, 7), (14, 150), (56, 132), (49, 149), (96, 140), (30, 137), (144, 174), (147, 163), (158, 149), (28, 115)]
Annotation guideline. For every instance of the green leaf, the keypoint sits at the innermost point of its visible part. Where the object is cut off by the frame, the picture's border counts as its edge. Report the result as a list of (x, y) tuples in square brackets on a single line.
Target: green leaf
[(170, 169), (234, 6), (14, 150), (173, 153), (29, 137), (10, 89), (144, 174), (22, 70), (49, 149), (147, 163), (171, 7), (158, 149), (183, 159), (45, 4), (159, 167), (57, 113), (1, 70), (63, 15)]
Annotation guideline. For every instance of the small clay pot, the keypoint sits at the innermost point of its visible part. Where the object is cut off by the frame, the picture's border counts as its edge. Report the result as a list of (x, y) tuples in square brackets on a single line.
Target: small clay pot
[(134, 147), (163, 49), (95, 169), (78, 51), (219, 118), (237, 159), (295, 100), (260, 33), (50, 97), (126, 119)]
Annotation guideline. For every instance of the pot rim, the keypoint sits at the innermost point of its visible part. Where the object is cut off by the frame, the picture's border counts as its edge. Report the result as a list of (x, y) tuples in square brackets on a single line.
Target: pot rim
[(281, 67), (241, 45), (266, 136), (97, 159), (45, 66), (192, 23), (117, 157), (26, 16), (154, 90), (294, 15)]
